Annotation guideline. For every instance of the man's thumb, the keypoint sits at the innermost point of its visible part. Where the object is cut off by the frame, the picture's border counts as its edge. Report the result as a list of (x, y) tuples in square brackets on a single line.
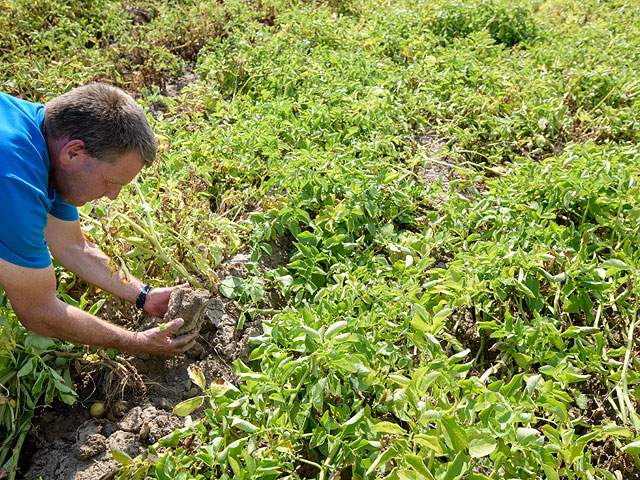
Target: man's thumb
[(174, 325)]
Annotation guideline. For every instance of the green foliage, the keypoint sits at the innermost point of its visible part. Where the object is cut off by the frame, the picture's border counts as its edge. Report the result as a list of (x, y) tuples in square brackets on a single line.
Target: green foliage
[(368, 369), (49, 47), (32, 372), (507, 24), (467, 328)]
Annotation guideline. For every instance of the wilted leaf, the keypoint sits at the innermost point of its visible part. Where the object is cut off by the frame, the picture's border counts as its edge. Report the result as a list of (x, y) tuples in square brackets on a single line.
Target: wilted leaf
[(196, 375)]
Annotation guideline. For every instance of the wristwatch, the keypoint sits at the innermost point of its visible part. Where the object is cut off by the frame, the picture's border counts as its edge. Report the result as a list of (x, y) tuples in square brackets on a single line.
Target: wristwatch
[(142, 296)]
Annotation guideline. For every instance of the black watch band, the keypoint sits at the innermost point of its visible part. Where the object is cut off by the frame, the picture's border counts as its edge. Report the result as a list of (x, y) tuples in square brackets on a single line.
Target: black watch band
[(142, 296)]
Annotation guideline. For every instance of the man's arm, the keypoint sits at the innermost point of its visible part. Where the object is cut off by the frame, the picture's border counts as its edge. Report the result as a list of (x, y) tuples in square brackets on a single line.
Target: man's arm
[(69, 247), (32, 296)]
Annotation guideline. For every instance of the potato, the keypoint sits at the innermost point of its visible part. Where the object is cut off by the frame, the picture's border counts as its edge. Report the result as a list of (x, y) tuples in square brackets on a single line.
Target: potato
[(97, 410)]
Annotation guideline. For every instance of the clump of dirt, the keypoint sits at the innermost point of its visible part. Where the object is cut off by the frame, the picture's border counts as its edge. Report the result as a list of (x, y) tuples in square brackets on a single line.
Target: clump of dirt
[(465, 329), (189, 305), (606, 455)]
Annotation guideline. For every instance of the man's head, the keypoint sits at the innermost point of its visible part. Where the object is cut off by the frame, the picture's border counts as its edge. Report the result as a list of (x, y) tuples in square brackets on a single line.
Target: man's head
[(99, 139)]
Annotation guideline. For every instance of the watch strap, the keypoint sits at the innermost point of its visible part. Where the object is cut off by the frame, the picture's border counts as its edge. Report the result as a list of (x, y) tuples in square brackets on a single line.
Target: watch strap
[(142, 296)]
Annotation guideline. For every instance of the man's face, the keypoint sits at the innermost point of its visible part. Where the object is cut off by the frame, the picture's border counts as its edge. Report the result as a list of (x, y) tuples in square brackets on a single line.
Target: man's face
[(89, 179)]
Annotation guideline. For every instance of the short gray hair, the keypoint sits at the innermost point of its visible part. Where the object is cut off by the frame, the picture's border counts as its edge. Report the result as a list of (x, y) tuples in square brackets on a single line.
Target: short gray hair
[(106, 119)]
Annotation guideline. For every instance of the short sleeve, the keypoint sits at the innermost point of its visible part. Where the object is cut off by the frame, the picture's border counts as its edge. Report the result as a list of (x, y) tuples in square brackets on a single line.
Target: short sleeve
[(23, 218), (63, 210)]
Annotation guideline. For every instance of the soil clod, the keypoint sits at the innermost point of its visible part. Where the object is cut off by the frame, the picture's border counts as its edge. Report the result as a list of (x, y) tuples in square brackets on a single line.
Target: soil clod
[(189, 305)]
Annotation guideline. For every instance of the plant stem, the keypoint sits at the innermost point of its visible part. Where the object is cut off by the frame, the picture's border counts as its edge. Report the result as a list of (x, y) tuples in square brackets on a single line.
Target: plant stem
[(625, 368), (16, 453)]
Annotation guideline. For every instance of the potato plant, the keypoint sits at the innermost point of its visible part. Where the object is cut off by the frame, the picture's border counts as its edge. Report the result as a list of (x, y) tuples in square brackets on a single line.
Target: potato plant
[(33, 370)]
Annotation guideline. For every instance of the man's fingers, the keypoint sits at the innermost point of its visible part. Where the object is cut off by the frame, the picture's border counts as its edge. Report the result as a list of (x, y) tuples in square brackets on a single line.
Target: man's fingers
[(173, 326), (188, 346), (183, 343), (162, 342), (181, 340)]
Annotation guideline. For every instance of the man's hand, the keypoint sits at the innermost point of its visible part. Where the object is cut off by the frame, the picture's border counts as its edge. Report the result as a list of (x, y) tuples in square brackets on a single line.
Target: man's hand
[(158, 300), (160, 341)]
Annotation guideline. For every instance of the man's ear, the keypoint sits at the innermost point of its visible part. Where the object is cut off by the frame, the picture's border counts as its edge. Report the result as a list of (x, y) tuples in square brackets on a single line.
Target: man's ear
[(73, 153)]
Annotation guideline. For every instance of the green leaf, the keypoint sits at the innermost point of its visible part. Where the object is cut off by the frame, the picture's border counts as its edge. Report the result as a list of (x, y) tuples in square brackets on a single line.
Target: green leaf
[(311, 332), (550, 472), (576, 331), (522, 360), (523, 288), (334, 329), (243, 425), (185, 408), (317, 393), (458, 467), (532, 383), (27, 368), (613, 265), (442, 315), (617, 431), (480, 444), (39, 343), (233, 447), (418, 465), (385, 456), (429, 441), (606, 474), (355, 419), (231, 287), (388, 427), (526, 436), (454, 434), (404, 381), (119, 456), (632, 448)]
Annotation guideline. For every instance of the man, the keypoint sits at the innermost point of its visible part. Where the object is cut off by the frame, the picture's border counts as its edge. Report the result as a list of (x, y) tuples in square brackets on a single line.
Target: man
[(81, 146)]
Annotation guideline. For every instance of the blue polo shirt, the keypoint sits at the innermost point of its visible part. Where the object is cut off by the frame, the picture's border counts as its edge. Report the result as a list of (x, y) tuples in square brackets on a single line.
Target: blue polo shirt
[(25, 194)]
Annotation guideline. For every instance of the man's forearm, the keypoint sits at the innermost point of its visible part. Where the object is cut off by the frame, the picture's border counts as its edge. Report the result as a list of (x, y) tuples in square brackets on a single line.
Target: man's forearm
[(92, 265), (57, 319)]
